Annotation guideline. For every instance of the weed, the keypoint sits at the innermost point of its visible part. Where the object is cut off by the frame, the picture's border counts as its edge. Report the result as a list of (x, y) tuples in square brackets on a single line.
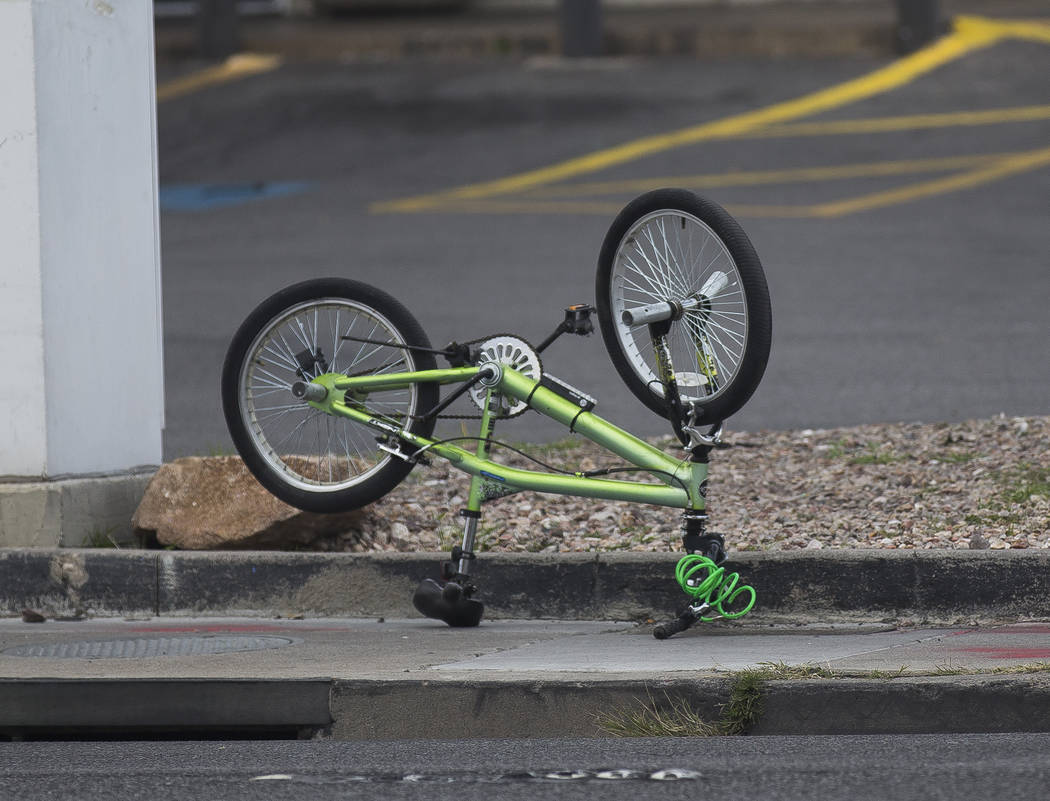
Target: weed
[(956, 458), (886, 674), (1032, 667), (745, 702), (674, 718), (487, 537), (875, 456), (447, 538), (992, 519), (1026, 482), (101, 538), (781, 670), (837, 449)]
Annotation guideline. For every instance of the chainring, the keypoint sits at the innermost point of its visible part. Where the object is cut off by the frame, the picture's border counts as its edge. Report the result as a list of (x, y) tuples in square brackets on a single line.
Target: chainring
[(509, 351)]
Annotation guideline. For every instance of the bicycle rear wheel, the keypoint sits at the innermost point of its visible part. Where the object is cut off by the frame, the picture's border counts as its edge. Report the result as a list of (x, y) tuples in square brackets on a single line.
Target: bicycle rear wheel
[(673, 245), (307, 458)]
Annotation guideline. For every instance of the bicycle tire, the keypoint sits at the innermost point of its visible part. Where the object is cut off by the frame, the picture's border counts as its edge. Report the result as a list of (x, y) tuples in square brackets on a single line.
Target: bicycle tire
[(670, 244), (307, 458)]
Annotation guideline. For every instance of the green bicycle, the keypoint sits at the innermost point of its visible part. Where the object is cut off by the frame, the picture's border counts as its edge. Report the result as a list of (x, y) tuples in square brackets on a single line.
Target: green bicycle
[(331, 391)]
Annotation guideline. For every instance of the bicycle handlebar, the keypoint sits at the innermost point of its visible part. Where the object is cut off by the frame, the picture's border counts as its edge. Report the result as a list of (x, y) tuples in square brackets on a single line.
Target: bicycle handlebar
[(673, 309), (657, 312)]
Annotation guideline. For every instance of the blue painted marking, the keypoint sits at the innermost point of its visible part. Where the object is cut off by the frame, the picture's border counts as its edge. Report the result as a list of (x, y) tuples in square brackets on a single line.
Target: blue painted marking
[(493, 476), (201, 197)]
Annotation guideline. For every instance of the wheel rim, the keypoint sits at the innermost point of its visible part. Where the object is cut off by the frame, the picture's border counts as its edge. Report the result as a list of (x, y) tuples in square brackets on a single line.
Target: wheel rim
[(671, 255), (312, 450)]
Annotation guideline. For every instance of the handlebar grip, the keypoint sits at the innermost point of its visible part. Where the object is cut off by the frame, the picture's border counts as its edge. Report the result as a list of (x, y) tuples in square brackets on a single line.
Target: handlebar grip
[(680, 623), (662, 310), (653, 313)]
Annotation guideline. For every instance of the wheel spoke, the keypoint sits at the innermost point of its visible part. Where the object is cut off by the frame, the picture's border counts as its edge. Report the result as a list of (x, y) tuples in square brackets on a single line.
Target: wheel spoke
[(668, 255), (310, 447)]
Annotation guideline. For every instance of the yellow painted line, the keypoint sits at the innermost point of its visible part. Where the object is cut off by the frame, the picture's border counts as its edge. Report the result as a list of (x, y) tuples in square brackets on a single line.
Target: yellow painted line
[(768, 177), (1034, 30), (513, 206), (911, 122), (972, 35), (985, 168), (235, 67), (600, 208), (794, 212), (1009, 165)]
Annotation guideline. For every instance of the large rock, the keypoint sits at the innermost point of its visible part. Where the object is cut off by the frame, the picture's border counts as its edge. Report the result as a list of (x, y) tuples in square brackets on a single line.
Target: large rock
[(212, 503)]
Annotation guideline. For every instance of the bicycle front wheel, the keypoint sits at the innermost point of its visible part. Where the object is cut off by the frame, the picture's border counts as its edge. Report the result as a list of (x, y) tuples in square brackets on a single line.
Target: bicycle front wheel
[(307, 458), (673, 245)]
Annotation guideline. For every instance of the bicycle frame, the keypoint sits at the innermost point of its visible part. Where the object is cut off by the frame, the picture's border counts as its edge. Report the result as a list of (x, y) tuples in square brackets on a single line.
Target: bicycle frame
[(655, 269), (683, 481)]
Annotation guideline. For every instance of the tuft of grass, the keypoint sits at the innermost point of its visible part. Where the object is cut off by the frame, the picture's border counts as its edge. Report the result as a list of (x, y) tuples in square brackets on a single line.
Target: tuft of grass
[(956, 457), (1031, 667), (886, 674), (837, 449), (781, 670), (746, 702), (486, 538), (673, 718), (992, 519), (1026, 482), (875, 455), (101, 538)]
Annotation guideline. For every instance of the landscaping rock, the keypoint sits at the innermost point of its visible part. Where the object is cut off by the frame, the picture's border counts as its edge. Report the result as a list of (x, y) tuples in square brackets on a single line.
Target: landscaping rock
[(210, 503)]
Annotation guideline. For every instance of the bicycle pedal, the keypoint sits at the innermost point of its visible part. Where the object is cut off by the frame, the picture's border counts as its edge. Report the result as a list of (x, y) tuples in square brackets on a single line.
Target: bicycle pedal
[(460, 611), (682, 622)]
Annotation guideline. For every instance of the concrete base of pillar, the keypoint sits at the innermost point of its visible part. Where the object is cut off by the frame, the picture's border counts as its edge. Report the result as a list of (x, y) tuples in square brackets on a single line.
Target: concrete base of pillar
[(71, 512)]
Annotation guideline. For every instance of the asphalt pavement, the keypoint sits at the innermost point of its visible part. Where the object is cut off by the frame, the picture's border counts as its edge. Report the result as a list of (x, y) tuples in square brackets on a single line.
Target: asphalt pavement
[(831, 768), (894, 204)]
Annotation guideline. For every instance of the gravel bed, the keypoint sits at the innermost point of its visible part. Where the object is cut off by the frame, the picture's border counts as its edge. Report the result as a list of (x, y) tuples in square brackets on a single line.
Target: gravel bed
[(977, 484)]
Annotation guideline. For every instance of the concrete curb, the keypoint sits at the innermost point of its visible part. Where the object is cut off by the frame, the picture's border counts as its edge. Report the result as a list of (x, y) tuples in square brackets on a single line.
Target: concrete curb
[(719, 30), (137, 706), (573, 707), (913, 705), (909, 705), (803, 586)]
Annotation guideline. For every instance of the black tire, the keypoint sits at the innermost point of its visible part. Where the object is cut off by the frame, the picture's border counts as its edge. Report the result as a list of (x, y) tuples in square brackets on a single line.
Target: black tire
[(309, 459), (667, 245)]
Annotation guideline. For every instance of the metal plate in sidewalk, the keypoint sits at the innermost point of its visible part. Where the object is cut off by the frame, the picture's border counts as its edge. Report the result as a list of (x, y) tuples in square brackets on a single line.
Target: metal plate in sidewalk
[(148, 647)]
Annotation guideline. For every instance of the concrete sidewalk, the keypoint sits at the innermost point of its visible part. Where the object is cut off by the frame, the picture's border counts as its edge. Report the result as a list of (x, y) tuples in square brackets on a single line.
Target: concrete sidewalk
[(327, 645), (389, 679)]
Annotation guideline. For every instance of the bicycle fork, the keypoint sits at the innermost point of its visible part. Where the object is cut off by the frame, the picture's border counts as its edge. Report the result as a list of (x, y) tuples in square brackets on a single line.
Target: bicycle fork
[(713, 591)]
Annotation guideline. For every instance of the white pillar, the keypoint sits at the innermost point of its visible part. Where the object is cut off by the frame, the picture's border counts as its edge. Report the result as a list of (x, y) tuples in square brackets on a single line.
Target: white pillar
[(81, 370)]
